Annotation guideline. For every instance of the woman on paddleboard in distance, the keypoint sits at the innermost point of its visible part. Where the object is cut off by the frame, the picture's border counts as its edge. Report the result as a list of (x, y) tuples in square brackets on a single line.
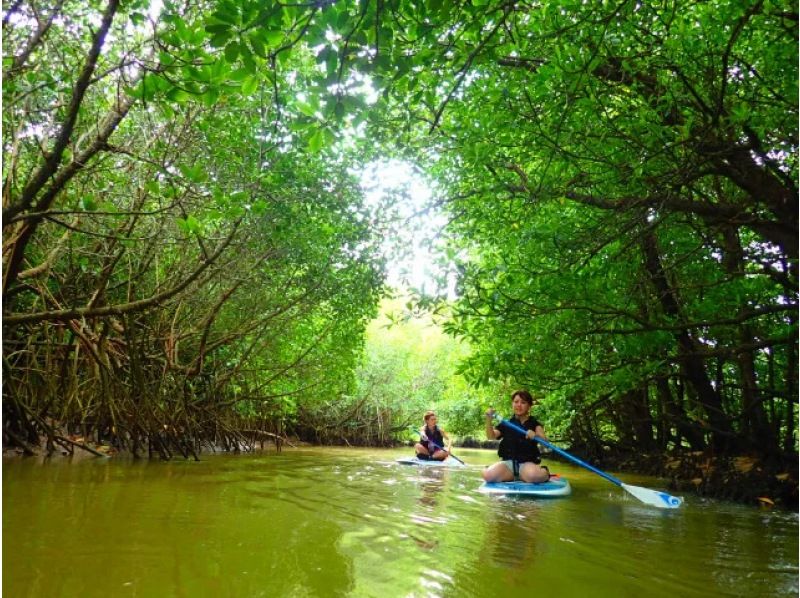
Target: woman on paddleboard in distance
[(520, 454), (431, 440)]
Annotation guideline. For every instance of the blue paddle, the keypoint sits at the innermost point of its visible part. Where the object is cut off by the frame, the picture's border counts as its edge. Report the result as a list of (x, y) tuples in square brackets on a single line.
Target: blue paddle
[(440, 448), (654, 498)]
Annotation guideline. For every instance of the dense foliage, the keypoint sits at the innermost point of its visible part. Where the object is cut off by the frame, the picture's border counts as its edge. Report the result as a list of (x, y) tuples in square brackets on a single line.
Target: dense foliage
[(622, 184), (183, 258), (184, 240), (410, 366)]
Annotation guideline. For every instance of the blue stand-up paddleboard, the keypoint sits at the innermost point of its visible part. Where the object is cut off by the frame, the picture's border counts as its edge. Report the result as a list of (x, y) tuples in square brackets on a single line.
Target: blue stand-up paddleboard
[(557, 486), (449, 462)]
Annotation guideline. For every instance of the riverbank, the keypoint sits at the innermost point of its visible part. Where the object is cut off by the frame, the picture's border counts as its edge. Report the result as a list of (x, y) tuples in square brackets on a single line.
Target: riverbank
[(747, 479)]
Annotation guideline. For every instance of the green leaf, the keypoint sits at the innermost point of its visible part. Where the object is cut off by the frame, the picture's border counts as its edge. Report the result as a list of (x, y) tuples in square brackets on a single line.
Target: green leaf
[(260, 207), (435, 6), (178, 95), (188, 225), (210, 97), (342, 20), (245, 53), (196, 173), (257, 44), (316, 141), (232, 51), (137, 18), (249, 63), (192, 224), (249, 85), (240, 75), (218, 28), (331, 62), (220, 39), (306, 109), (274, 38), (227, 14)]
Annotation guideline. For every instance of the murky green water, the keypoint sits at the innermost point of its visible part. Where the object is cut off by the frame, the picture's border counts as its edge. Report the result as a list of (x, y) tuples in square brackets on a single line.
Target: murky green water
[(335, 522)]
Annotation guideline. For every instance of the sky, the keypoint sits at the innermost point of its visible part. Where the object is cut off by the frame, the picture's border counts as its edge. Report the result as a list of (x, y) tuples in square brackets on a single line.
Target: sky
[(404, 199)]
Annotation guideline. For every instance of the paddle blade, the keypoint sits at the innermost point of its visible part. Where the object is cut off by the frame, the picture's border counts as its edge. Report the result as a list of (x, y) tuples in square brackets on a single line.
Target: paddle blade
[(662, 500)]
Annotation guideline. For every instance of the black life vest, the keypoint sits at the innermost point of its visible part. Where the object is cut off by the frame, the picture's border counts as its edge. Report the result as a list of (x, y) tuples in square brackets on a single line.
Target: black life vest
[(435, 435), (515, 446)]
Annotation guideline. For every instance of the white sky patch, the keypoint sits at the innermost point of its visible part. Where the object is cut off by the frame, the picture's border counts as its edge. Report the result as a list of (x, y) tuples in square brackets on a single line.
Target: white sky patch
[(404, 202)]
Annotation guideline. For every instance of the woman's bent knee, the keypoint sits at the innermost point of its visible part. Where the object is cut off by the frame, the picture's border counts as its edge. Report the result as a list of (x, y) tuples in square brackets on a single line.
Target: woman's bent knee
[(490, 475), (534, 475), (497, 473)]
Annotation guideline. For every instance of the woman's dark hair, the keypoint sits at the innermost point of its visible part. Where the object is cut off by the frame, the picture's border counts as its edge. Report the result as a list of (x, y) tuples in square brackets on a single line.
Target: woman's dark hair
[(524, 395)]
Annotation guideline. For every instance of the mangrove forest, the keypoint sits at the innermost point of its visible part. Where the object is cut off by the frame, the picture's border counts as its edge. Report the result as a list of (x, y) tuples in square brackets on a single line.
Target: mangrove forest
[(193, 261)]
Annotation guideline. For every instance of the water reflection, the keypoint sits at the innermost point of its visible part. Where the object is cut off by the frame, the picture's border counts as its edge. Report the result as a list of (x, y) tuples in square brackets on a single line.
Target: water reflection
[(514, 527), (430, 486)]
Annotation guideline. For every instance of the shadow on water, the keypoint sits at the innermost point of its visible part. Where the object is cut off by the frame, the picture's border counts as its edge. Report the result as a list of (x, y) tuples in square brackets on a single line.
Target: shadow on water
[(352, 522)]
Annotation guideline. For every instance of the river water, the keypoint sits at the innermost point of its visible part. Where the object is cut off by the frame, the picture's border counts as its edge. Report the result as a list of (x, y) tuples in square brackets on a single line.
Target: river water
[(352, 522)]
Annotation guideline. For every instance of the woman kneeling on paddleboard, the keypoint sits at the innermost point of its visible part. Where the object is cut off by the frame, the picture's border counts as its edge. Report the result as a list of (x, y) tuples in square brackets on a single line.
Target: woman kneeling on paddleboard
[(520, 454), (431, 440)]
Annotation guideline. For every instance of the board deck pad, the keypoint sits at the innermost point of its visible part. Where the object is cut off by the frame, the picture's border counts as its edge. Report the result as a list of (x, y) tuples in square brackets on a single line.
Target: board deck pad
[(557, 486)]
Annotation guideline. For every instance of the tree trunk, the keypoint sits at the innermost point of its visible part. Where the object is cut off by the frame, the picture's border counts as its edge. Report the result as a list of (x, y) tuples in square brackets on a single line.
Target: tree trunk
[(689, 350), (677, 417), (755, 427)]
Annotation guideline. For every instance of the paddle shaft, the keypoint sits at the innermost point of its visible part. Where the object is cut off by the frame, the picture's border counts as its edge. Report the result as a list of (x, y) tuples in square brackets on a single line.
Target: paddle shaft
[(563, 453)]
